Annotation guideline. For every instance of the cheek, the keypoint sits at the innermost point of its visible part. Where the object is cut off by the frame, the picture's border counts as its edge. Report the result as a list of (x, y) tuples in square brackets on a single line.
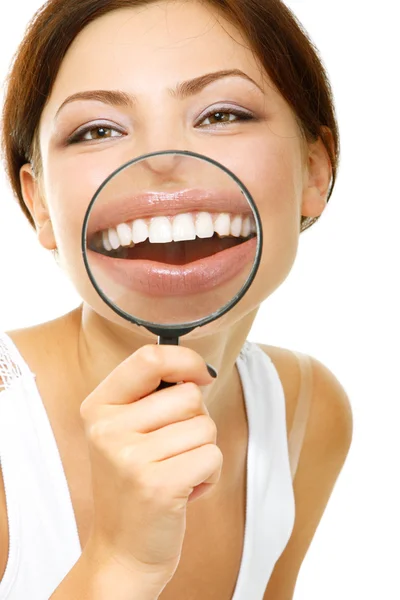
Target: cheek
[(69, 185), (272, 172)]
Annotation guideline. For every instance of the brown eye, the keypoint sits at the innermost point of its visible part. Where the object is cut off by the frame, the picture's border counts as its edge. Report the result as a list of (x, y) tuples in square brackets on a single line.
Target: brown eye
[(221, 117), (226, 116), (98, 133), (94, 133)]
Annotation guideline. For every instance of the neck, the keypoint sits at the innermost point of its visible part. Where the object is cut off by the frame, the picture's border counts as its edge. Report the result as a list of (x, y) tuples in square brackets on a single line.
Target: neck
[(99, 346)]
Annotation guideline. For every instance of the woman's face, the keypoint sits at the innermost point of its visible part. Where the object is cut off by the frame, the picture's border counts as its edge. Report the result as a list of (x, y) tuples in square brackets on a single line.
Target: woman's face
[(144, 52)]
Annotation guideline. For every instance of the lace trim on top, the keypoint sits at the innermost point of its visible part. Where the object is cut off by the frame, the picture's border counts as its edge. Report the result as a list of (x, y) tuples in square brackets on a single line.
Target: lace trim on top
[(245, 349), (11, 369)]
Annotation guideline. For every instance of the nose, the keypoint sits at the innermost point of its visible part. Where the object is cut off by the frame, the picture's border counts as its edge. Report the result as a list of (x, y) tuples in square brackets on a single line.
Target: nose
[(165, 163)]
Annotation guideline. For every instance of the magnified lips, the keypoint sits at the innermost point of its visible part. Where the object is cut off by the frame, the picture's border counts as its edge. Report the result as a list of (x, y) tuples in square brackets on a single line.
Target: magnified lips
[(157, 279), (106, 213)]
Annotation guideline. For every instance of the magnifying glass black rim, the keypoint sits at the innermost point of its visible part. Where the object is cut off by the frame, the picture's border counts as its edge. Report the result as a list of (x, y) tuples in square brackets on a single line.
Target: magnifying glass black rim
[(177, 329)]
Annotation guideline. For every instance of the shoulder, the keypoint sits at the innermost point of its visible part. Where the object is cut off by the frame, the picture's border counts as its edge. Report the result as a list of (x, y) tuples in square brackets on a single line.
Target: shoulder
[(326, 444), (45, 343), (331, 419)]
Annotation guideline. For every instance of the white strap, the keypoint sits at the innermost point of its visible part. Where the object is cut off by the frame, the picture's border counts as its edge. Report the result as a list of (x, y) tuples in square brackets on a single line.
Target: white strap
[(303, 405)]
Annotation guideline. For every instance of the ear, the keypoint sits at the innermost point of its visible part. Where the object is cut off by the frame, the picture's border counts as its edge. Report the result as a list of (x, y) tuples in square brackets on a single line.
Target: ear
[(34, 200), (317, 179)]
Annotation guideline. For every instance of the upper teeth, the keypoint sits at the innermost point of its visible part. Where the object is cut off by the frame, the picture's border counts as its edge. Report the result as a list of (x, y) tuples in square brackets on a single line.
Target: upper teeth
[(185, 226)]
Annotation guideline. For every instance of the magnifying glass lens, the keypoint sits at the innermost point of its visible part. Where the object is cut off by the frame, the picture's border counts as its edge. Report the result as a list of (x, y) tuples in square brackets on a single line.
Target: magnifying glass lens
[(171, 238)]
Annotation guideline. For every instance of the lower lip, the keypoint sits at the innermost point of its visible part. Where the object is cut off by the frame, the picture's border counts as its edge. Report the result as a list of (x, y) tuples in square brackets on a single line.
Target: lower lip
[(160, 279)]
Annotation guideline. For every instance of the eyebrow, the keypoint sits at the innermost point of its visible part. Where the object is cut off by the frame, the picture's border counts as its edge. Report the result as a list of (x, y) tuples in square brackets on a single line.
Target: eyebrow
[(181, 91)]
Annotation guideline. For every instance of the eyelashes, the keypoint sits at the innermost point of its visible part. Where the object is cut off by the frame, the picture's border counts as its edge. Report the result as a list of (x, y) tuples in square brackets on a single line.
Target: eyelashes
[(102, 127), (107, 130), (240, 114)]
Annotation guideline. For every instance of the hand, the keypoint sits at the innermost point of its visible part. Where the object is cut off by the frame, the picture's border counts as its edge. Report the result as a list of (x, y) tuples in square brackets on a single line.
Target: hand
[(151, 453)]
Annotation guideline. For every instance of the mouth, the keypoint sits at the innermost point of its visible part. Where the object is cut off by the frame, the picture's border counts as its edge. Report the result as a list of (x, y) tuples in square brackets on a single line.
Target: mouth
[(175, 240)]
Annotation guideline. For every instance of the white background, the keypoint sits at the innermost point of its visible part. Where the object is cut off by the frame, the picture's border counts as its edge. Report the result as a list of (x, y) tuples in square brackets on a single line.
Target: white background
[(339, 304)]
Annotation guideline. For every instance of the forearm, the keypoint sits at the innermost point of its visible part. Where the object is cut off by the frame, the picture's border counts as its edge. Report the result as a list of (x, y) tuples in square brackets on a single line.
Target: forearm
[(93, 579)]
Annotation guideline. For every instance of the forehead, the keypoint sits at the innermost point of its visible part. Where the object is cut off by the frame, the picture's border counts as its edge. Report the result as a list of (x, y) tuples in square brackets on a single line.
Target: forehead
[(149, 48)]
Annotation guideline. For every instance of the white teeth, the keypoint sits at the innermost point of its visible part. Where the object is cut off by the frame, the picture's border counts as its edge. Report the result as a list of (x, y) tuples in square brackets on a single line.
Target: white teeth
[(246, 227), (236, 225), (113, 238), (160, 230), (140, 231), (222, 224), (106, 242), (124, 234), (183, 228), (204, 225)]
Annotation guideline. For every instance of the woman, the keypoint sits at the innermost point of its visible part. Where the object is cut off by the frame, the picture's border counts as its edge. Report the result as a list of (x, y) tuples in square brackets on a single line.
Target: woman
[(123, 491)]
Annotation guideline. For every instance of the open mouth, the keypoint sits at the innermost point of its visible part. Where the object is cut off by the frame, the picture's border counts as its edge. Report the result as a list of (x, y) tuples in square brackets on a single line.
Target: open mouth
[(178, 240)]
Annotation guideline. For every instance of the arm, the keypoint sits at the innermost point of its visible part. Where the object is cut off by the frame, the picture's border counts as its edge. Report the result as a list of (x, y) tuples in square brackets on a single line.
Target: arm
[(95, 578), (326, 445)]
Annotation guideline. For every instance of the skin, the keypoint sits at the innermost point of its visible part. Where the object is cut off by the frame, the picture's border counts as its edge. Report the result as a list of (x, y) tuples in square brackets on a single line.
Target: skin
[(286, 176), (180, 42)]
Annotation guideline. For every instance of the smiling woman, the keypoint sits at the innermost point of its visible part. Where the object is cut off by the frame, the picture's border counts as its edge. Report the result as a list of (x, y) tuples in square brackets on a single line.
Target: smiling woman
[(270, 28), (121, 479)]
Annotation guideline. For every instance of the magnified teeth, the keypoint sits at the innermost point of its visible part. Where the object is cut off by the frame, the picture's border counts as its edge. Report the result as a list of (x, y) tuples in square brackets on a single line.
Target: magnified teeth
[(204, 225), (113, 238), (222, 224), (106, 242), (124, 234), (181, 227), (160, 230), (245, 227), (236, 225), (140, 231)]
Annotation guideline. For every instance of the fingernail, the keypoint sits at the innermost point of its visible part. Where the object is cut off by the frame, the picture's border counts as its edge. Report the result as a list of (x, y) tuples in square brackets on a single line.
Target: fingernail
[(212, 371)]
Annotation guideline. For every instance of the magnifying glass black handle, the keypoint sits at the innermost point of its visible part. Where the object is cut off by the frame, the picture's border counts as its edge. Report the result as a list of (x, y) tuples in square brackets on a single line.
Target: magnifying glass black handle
[(167, 341), (165, 384)]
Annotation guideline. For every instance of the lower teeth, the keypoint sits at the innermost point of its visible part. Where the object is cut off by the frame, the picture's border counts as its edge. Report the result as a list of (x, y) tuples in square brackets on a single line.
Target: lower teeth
[(123, 251)]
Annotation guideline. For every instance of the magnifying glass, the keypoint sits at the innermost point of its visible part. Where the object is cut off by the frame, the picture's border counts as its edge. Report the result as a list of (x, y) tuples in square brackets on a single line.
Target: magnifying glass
[(171, 241)]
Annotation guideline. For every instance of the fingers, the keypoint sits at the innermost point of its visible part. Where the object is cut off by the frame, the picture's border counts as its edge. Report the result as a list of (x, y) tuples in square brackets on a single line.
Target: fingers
[(178, 438), (162, 408), (140, 374)]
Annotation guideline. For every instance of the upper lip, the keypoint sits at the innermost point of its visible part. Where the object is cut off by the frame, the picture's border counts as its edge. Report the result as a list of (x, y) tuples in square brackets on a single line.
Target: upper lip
[(129, 207)]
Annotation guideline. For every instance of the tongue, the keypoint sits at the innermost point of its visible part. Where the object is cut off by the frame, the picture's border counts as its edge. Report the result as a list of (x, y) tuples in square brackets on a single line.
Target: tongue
[(181, 253)]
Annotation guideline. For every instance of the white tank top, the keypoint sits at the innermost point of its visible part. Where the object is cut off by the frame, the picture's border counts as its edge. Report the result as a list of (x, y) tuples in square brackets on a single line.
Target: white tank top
[(44, 542)]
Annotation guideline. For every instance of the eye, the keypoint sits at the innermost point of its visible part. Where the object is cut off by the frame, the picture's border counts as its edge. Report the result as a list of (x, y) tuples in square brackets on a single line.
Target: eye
[(225, 115), (94, 132)]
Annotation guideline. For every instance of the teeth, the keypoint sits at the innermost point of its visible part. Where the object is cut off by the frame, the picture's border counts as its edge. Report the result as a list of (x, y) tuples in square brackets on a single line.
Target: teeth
[(113, 238), (160, 230), (246, 227), (236, 225), (124, 234), (222, 224), (184, 226), (204, 225), (140, 231), (106, 242)]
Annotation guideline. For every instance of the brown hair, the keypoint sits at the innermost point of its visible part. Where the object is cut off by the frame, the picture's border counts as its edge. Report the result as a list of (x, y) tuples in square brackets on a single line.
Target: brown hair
[(274, 33)]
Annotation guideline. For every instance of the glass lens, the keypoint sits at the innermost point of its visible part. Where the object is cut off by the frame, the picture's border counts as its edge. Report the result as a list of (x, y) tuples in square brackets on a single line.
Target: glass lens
[(171, 238)]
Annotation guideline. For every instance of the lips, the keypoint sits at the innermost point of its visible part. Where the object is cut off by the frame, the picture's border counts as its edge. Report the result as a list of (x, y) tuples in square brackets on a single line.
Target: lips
[(231, 267), (128, 207)]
